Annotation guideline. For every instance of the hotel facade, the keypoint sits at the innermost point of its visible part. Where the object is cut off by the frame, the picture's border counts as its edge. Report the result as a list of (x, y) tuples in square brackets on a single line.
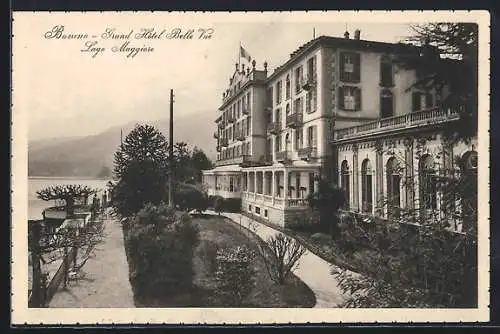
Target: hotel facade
[(342, 109)]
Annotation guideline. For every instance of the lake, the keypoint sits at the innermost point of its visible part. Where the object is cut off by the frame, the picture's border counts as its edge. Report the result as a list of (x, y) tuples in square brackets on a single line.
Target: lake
[(36, 206)]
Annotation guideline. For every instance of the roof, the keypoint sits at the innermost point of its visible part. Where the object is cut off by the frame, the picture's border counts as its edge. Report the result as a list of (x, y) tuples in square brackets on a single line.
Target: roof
[(345, 43)]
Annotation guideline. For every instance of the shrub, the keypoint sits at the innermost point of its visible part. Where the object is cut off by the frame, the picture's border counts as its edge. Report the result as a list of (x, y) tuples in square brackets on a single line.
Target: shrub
[(160, 247), (235, 274), (280, 254), (207, 251), (188, 197)]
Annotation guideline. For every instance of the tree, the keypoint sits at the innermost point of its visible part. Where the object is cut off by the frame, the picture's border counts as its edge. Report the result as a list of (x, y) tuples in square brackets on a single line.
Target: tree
[(182, 161), (450, 59), (280, 255), (327, 200), (199, 162), (141, 170), (68, 193)]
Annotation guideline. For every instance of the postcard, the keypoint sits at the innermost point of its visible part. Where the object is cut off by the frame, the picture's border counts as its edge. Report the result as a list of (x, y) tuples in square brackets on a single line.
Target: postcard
[(250, 167)]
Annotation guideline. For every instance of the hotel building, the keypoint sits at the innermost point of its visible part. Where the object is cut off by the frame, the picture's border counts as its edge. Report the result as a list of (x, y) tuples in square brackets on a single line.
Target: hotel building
[(344, 109)]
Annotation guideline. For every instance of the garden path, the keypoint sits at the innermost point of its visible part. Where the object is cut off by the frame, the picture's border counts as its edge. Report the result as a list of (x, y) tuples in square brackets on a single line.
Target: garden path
[(105, 282)]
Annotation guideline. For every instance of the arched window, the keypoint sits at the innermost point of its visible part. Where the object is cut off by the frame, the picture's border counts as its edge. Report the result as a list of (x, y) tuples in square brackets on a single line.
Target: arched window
[(288, 143), (427, 177), (344, 181), (393, 187), (386, 104), (366, 186), (468, 186)]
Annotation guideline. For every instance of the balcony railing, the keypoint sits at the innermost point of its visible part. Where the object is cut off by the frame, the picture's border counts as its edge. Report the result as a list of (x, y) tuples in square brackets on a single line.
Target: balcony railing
[(414, 119), (294, 120), (241, 159), (281, 156), (274, 128), (308, 82), (306, 153), (240, 136), (245, 110)]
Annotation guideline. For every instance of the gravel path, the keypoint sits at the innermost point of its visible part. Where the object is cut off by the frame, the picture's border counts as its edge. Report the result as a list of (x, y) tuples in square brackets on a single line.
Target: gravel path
[(105, 282), (312, 270)]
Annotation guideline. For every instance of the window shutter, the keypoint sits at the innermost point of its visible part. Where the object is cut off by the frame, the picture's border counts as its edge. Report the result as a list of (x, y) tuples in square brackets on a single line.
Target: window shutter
[(415, 101), (357, 67), (341, 98), (357, 98)]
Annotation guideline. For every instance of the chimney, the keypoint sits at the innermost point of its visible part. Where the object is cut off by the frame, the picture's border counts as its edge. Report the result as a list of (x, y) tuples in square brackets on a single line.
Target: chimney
[(357, 34), (346, 35)]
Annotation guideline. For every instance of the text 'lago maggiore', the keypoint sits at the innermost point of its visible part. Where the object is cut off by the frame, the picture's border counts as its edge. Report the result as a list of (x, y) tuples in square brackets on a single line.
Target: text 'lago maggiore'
[(130, 43)]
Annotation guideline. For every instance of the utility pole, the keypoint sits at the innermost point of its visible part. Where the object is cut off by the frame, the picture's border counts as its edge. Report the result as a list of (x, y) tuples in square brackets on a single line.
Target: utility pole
[(171, 152)]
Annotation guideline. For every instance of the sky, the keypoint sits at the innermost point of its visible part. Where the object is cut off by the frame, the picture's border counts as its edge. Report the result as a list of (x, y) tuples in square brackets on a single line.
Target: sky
[(62, 91)]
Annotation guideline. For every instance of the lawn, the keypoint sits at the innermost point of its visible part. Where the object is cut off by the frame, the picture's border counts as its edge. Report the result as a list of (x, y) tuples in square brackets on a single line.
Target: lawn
[(218, 232)]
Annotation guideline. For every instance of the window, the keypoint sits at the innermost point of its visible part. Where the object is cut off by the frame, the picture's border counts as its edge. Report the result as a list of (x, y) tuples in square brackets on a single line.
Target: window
[(366, 186), (278, 92), (265, 213), (310, 102), (393, 187), (344, 181), (287, 109), (277, 143), (269, 97), (386, 72), (257, 210), (349, 98), (297, 185), (269, 149), (250, 208), (298, 79), (421, 101), (298, 139), (231, 184), (311, 136), (311, 68), (277, 116), (349, 67), (298, 106), (287, 88), (248, 101), (311, 183), (427, 178), (386, 104)]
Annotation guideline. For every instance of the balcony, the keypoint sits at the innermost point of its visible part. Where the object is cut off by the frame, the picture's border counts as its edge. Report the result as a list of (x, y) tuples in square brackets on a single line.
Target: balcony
[(224, 142), (218, 148), (307, 153), (408, 121), (241, 159), (294, 120), (231, 119), (245, 110), (308, 83), (274, 128), (221, 125), (281, 156), (240, 136)]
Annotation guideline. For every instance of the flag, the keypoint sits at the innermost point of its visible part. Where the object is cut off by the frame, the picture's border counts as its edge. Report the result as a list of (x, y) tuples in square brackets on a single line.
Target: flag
[(244, 54)]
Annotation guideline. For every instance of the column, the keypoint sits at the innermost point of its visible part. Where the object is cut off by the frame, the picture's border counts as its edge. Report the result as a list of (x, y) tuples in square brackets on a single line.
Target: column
[(273, 185), (379, 171), (409, 177), (355, 178), (255, 182), (285, 184)]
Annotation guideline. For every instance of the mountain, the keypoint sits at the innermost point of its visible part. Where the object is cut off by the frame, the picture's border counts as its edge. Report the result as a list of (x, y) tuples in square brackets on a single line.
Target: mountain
[(86, 156)]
